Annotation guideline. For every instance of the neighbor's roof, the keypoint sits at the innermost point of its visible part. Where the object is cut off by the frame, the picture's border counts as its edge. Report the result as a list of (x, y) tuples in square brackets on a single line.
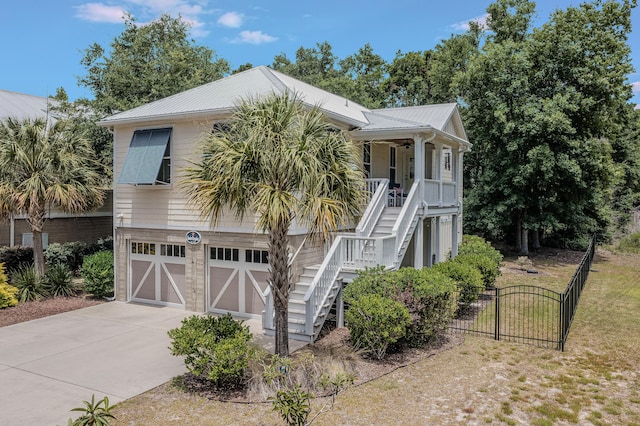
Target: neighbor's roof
[(222, 96), (21, 106)]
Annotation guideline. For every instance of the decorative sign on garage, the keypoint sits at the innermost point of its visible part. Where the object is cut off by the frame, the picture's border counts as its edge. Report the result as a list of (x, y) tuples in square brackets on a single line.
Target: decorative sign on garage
[(193, 237)]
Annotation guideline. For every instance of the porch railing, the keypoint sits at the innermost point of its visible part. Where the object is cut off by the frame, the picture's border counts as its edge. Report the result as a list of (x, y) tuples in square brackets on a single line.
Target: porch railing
[(438, 193)]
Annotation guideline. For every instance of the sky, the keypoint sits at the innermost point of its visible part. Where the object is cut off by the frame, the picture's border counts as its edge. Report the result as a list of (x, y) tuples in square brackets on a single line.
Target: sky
[(42, 41)]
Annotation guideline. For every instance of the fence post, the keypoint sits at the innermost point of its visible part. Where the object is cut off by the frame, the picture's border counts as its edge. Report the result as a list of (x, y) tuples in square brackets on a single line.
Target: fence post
[(496, 333)]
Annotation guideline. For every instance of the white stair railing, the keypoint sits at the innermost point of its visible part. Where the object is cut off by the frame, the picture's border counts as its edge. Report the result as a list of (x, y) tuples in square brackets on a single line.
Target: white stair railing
[(356, 252), (403, 224), (378, 188)]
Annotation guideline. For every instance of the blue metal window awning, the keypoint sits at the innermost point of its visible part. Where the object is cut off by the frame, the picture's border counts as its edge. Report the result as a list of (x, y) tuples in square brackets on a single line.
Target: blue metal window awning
[(144, 157)]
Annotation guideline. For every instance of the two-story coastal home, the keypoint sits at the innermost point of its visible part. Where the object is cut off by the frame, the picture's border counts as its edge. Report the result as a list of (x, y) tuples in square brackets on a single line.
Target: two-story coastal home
[(167, 254)]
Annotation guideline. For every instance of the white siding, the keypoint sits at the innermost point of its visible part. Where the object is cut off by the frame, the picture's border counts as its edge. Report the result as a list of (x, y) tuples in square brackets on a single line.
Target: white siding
[(165, 207)]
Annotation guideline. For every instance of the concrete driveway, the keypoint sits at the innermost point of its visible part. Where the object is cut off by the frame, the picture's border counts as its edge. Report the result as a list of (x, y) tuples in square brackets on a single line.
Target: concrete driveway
[(116, 349)]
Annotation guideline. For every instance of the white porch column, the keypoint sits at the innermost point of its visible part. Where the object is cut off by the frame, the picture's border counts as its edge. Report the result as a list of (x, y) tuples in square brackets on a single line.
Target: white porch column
[(418, 245), (438, 244), (418, 161), (438, 169), (454, 236)]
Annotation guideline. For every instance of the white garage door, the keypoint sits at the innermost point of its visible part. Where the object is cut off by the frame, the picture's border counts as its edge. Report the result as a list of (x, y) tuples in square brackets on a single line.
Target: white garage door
[(237, 280), (157, 273)]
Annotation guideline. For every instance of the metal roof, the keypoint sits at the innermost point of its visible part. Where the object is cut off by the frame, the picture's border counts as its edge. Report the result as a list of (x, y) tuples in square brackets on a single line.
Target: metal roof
[(21, 106), (223, 95), (436, 116), (220, 97)]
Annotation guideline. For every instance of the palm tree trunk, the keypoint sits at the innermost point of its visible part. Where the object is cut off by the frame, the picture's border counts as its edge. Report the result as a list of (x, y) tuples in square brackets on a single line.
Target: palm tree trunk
[(36, 220), (279, 282)]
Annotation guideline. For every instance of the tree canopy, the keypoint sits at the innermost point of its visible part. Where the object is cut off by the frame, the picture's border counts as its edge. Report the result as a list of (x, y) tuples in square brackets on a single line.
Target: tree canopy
[(147, 63)]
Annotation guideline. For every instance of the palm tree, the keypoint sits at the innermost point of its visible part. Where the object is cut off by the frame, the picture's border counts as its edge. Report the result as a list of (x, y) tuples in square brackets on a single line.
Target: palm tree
[(283, 163), (46, 165)]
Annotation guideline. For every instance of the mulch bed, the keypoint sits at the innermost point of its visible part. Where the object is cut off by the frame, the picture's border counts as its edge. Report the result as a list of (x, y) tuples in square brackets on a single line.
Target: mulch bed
[(27, 311)]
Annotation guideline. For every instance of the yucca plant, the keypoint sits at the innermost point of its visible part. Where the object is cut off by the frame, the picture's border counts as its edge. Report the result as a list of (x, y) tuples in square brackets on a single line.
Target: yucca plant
[(30, 284), (94, 414), (59, 281)]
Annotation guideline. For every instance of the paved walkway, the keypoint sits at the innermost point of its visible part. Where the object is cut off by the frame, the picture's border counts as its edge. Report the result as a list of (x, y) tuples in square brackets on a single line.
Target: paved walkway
[(116, 349)]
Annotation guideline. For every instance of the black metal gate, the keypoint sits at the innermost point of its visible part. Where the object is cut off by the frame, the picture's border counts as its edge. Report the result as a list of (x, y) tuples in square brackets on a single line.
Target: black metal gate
[(524, 313)]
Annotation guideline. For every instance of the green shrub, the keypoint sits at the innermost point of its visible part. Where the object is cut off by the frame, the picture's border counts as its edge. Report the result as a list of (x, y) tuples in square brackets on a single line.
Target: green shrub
[(472, 244), (30, 285), (468, 280), (293, 405), (57, 254), (7, 292), (429, 296), (15, 257), (375, 322), (216, 348), (483, 263), (97, 272), (58, 281), (630, 243), (435, 294)]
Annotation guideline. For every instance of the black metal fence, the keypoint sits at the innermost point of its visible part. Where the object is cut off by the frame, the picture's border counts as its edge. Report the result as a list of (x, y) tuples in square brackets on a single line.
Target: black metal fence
[(526, 313)]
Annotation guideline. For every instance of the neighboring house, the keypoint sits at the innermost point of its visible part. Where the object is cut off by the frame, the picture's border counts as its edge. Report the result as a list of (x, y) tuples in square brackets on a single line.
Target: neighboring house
[(60, 227), (167, 254)]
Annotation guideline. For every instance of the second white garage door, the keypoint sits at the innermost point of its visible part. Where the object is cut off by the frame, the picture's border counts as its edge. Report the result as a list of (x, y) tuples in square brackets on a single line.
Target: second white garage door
[(237, 280)]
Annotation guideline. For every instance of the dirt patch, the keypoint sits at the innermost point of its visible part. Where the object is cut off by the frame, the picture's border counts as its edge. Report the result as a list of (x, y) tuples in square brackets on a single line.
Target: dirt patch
[(27, 311)]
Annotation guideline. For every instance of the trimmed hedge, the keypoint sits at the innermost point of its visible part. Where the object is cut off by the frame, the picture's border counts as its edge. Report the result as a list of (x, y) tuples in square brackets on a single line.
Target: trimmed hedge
[(472, 244), (97, 271), (468, 279), (428, 294), (16, 257), (375, 322), (216, 348)]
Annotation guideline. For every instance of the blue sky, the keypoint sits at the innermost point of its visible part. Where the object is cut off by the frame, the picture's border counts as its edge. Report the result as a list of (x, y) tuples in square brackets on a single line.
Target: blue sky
[(43, 40)]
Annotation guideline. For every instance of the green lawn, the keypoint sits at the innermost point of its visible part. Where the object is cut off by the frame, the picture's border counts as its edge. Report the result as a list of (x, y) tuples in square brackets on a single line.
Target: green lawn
[(481, 381)]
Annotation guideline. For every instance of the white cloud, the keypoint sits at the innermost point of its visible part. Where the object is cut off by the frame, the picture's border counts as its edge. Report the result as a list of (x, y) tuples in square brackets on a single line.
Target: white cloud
[(635, 87), (254, 37), (98, 12), (464, 25), (231, 19), (148, 10)]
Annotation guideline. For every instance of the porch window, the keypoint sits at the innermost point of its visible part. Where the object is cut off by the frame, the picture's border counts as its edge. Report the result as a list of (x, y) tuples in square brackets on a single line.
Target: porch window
[(447, 160), (148, 160), (366, 158), (392, 164)]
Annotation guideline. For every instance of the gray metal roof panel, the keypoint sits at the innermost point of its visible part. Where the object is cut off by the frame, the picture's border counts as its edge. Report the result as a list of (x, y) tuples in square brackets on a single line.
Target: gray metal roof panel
[(435, 116), (22, 106), (224, 94)]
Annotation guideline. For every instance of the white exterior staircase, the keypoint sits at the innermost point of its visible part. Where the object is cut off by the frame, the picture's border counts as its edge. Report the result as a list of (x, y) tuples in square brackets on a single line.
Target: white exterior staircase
[(381, 238)]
